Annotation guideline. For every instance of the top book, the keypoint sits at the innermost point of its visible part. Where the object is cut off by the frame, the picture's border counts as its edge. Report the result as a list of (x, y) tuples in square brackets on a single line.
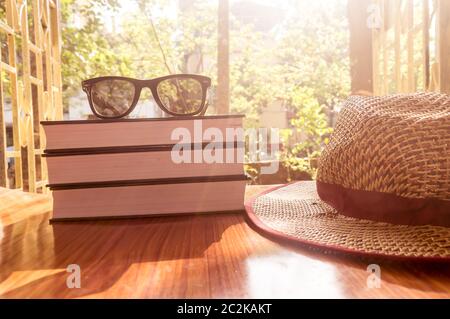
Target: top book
[(63, 135)]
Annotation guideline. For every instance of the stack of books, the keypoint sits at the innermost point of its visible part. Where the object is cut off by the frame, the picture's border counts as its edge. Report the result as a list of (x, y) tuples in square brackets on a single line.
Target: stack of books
[(136, 167)]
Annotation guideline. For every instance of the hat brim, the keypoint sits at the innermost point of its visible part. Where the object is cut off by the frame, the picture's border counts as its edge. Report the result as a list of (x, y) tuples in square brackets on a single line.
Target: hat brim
[(295, 212)]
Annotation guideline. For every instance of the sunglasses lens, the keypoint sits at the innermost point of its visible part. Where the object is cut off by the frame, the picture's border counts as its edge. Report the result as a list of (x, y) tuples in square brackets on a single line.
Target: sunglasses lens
[(181, 95), (112, 98)]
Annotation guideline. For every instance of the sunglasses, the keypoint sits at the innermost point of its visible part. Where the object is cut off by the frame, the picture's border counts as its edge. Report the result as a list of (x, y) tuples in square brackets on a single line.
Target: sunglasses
[(112, 97)]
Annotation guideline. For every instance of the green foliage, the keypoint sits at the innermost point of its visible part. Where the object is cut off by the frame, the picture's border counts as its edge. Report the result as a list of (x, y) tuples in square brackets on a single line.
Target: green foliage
[(302, 62), (313, 51), (3, 10), (250, 75), (160, 44), (86, 51), (313, 67), (311, 126)]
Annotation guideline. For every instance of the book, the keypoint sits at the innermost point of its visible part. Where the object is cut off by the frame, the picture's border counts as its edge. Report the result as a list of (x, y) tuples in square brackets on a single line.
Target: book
[(134, 200), (135, 167), (109, 164), (135, 132)]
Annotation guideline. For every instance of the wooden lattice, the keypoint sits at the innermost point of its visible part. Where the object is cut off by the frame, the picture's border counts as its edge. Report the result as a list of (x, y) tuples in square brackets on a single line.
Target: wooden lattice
[(411, 50), (30, 88)]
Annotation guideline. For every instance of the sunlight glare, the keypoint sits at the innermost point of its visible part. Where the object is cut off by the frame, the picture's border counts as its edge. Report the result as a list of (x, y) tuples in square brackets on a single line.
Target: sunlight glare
[(290, 275)]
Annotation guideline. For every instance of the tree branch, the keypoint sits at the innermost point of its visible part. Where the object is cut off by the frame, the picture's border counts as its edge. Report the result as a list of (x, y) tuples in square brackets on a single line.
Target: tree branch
[(155, 33)]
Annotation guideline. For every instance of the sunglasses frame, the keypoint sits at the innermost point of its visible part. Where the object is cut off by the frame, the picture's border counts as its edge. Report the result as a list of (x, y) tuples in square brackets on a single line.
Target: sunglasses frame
[(152, 85)]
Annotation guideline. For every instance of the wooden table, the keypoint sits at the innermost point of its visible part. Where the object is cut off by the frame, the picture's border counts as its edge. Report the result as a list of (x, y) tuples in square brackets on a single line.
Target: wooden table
[(183, 257)]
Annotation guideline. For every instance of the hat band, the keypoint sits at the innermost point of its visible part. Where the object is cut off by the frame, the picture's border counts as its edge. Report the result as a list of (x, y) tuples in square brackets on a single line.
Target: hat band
[(385, 207)]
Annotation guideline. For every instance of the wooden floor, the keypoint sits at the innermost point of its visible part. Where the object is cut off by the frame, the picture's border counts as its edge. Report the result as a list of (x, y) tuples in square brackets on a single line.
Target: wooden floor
[(217, 256)]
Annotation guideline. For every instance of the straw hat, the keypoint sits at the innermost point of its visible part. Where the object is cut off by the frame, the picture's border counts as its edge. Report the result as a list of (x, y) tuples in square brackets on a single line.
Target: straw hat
[(383, 183)]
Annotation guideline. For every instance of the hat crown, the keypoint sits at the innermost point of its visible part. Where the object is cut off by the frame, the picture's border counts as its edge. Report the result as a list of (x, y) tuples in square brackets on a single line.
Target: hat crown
[(398, 144)]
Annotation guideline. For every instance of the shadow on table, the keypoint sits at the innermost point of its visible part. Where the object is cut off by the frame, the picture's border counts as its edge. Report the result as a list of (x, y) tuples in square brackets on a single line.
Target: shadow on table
[(104, 250)]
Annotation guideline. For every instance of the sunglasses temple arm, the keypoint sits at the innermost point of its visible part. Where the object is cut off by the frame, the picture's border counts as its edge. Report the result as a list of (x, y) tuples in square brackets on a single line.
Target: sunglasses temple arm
[(205, 108)]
